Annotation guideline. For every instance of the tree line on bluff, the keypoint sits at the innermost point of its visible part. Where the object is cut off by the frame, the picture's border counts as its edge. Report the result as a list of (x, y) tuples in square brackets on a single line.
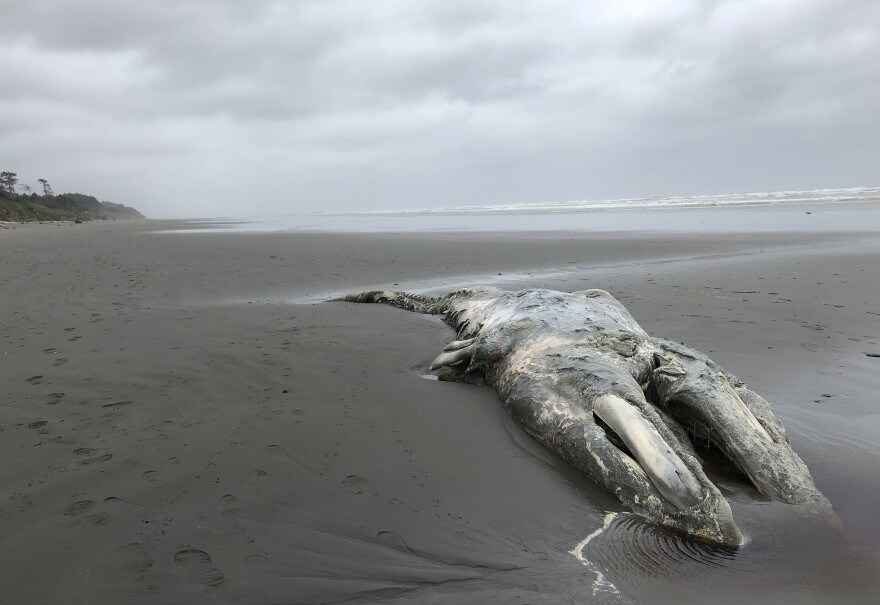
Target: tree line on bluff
[(20, 203)]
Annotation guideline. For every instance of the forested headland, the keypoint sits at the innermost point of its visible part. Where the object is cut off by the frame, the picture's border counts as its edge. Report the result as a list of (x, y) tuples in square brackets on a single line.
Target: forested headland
[(20, 203)]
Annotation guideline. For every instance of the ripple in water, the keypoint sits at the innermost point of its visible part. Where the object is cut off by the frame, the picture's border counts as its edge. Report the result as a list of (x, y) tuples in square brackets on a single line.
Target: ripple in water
[(655, 551), (627, 551), (788, 554)]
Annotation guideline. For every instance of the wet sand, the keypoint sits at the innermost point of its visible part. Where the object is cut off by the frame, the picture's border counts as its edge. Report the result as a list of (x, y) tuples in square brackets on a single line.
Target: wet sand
[(182, 421)]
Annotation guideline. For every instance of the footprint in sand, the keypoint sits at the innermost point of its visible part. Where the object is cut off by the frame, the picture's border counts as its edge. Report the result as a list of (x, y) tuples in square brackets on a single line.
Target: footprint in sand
[(94, 459), (83, 509), (135, 561), (35, 379), (120, 507), (110, 417), (258, 473), (80, 507), (358, 485), (196, 564), (99, 518), (117, 404), (99, 514), (41, 426), (277, 451), (229, 505), (134, 558), (256, 559), (60, 361), (394, 540), (21, 501), (54, 398)]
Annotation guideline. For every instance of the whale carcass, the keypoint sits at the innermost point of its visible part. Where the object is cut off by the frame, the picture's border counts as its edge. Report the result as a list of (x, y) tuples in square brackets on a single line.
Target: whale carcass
[(579, 374)]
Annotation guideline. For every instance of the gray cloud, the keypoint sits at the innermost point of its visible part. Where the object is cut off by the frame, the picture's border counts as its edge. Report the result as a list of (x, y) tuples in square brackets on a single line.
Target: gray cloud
[(189, 107)]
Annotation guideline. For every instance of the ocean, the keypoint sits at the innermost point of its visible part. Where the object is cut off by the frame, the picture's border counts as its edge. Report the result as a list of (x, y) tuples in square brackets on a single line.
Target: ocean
[(854, 209)]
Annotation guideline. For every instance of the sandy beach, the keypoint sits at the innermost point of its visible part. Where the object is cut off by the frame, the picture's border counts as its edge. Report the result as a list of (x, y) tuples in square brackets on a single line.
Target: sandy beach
[(184, 419)]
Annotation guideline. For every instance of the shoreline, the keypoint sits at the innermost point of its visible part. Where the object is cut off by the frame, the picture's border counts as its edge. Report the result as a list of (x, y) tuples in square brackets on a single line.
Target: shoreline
[(175, 430), (813, 218), (74, 222)]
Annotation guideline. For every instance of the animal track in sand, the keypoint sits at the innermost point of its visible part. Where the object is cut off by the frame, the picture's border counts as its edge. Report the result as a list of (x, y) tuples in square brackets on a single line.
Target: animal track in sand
[(197, 565)]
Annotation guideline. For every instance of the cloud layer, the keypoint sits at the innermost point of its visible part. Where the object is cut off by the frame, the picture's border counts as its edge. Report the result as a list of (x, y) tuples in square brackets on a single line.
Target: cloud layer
[(207, 107)]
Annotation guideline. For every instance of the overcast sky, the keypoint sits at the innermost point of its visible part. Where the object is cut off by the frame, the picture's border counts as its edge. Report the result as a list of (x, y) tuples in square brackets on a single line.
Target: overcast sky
[(227, 107)]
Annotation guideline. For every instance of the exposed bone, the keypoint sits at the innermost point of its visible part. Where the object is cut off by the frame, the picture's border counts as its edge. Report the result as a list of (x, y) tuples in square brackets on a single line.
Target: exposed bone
[(663, 466), (744, 412), (451, 357), (455, 345)]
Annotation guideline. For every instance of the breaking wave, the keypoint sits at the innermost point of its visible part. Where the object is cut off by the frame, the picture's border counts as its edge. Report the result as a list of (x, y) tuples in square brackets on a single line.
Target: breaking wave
[(812, 196)]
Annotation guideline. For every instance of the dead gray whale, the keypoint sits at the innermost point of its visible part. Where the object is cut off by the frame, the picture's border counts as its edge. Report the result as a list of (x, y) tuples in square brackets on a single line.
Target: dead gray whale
[(579, 374)]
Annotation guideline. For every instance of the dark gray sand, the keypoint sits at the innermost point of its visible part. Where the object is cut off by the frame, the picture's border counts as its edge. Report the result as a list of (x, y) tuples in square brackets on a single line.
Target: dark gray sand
[(182, 422)]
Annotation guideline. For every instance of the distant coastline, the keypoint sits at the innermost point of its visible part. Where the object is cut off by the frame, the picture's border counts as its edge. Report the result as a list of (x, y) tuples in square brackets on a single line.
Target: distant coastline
[(20, 204)]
